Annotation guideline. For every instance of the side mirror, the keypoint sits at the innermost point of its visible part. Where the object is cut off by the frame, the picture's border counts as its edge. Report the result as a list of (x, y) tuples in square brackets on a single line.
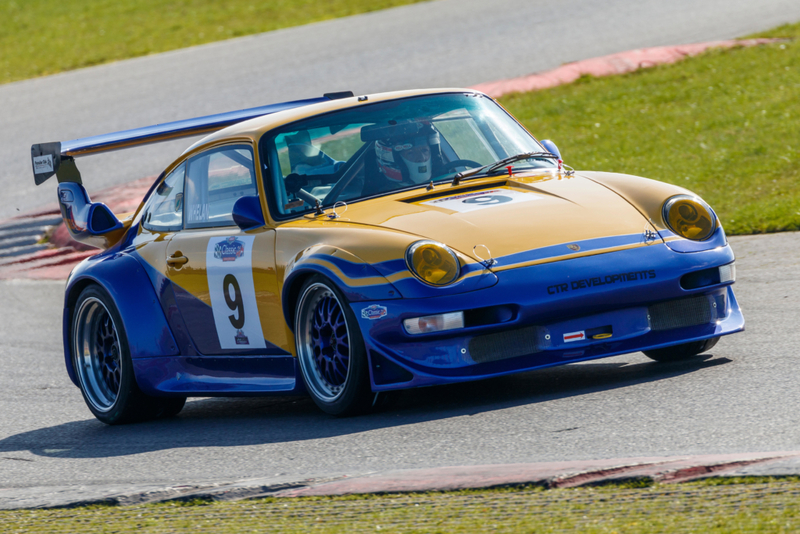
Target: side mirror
[(247, 213), (551, 147)]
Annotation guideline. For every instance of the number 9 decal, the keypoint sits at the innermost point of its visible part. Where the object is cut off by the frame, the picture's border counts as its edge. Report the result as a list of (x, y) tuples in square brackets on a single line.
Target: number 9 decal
[(487, 200), (235, 303), (229, 268)]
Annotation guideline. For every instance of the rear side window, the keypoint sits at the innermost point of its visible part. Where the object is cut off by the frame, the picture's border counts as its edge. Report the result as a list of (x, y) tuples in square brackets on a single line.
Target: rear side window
[(164, 209), (215, 180)]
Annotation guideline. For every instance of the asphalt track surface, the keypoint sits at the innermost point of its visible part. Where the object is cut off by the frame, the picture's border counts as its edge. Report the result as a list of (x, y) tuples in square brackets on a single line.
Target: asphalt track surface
[(450, 43), (742, 397)]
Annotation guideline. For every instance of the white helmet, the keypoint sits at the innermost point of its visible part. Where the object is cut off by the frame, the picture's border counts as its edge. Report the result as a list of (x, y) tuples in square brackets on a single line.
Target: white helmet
[(417, 157)]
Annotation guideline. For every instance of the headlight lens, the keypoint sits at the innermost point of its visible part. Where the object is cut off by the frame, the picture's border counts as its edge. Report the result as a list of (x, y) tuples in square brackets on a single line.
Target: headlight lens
[(690, 217), (432, 262)]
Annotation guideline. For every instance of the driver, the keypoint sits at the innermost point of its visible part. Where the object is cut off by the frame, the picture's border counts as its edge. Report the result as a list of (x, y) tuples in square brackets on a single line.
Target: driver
[(408, 159)]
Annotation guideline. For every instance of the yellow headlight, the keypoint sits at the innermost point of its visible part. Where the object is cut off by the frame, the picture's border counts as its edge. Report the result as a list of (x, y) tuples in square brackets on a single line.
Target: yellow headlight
[(432, 262), (690, 217)]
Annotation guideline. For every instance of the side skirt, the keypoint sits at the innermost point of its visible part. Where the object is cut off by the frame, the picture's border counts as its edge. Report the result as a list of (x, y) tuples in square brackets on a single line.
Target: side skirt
[(228, 376)]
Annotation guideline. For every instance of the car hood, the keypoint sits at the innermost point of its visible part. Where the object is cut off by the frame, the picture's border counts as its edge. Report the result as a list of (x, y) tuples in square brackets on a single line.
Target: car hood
[(513, 216)]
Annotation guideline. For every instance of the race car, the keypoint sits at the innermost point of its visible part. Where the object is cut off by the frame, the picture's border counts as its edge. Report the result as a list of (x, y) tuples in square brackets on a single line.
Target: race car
[(350, 246)]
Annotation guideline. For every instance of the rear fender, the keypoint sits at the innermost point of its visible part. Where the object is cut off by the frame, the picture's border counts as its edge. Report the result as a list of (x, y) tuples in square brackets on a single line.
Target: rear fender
[(126, 281)]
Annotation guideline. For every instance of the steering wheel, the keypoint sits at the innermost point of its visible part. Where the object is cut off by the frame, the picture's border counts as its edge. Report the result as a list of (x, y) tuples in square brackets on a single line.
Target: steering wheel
[(450, 165)]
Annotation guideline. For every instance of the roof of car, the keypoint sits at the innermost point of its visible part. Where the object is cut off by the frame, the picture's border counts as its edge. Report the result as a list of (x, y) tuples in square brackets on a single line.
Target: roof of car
[(46, 158), (254, 128)]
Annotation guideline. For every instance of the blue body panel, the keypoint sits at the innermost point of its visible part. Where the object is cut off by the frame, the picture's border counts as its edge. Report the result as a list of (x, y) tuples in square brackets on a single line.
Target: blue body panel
[(539, 305), (473, 277), (217, 372), (210, 376), (548, 301), (166, 295), (165, 360), (348, 275), (126, 281)]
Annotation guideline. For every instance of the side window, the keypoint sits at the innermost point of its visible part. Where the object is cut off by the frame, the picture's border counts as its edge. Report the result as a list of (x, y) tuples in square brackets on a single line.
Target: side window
[(214, 182), (316, 155), (164, 209)]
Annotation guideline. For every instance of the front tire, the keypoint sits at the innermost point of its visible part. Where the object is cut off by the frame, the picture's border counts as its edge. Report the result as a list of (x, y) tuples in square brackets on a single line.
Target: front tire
[(330, 350), (101, 359), (681, 352)]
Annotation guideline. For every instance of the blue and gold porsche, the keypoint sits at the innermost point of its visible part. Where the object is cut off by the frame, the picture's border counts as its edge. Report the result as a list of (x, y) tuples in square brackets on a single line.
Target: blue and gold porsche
[(350, 246)]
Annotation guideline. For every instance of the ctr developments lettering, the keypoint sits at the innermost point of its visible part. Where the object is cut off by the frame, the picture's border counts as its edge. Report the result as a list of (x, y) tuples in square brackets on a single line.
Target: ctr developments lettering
[(600, 281)]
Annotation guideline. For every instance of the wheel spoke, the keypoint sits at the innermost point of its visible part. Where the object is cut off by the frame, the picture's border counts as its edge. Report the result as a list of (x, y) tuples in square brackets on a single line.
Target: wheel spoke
[(330, 308), (340, 368), (97, 353), (105, 326), (325, 346)]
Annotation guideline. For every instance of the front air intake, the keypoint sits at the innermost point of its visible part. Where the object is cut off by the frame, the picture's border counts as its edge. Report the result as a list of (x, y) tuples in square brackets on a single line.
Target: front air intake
[(681, 313), (508, 344)]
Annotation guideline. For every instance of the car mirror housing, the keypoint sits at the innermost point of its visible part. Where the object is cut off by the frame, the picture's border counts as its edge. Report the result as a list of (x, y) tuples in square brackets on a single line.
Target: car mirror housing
[(88, 222), (247, 213), (551, 147)]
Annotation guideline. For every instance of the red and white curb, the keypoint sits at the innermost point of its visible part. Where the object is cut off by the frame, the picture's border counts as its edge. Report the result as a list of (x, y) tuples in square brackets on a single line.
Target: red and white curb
[(23, 255), (620, 63), (667, 469), (549, 475)]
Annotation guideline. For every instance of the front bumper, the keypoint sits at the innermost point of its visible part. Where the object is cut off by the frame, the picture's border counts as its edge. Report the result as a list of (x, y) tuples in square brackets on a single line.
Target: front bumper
[(619, 302)]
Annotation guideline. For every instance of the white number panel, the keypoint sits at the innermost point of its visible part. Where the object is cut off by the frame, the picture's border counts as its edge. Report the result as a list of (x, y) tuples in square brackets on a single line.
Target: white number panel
[(482, 199), (229, 267)]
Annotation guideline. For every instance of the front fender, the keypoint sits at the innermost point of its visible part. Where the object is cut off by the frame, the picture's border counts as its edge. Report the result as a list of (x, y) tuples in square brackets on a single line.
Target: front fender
[(126, 281), (358, 280), (648, 196)]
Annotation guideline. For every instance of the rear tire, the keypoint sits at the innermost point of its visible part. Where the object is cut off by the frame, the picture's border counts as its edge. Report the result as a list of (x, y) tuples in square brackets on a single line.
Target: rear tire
[(681, 352), (102, 362), (330, 350)]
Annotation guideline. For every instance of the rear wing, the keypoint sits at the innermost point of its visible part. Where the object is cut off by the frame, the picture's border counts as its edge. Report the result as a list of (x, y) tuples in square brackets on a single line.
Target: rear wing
[(59, 158)]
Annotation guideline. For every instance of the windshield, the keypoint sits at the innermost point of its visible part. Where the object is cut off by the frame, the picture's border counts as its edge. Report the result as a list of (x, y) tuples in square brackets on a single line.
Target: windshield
[(381, 148)]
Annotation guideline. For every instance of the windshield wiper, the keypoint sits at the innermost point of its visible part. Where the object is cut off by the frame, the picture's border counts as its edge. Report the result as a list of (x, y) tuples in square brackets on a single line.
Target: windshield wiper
[(488, 169)]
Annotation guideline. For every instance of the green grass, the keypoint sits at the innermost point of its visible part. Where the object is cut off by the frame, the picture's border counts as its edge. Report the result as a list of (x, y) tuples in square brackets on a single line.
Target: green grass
[(724, 125), (39, 37), (738, 505)]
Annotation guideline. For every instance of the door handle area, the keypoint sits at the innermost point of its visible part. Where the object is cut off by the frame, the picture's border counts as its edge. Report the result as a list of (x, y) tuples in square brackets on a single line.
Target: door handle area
[(177, 260)]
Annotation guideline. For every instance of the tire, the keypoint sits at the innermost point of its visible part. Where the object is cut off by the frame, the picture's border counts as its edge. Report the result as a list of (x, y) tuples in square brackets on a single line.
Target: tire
[(330, 350), (681, 352), (169, 406), (102, 362), (383, 400)]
